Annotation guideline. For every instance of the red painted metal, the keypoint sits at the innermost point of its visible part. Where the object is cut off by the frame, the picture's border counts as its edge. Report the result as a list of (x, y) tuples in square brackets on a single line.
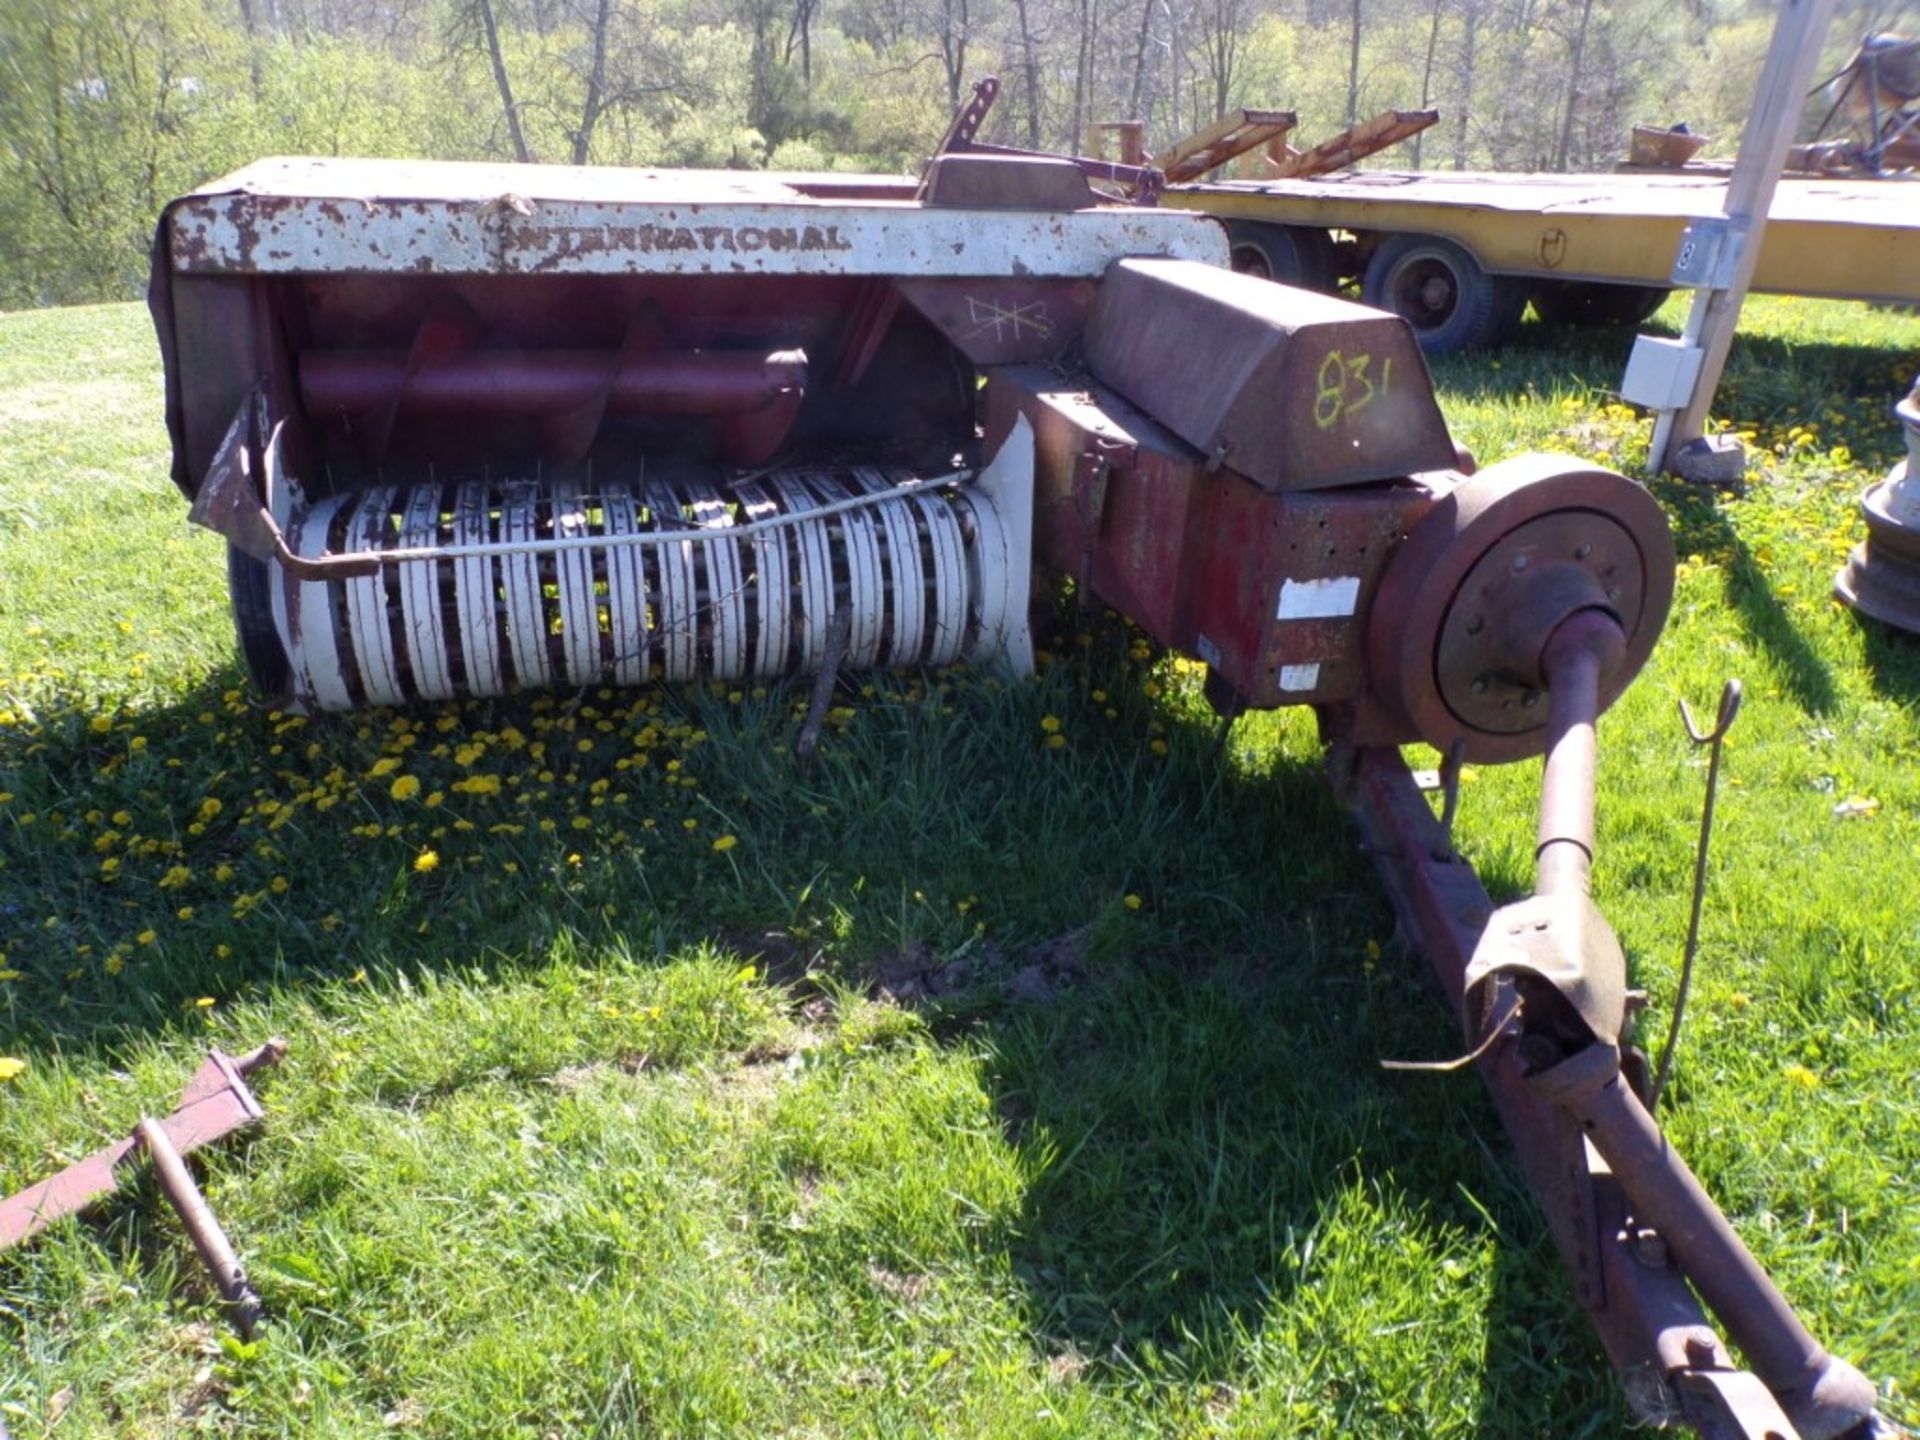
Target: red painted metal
[(215, 1104)]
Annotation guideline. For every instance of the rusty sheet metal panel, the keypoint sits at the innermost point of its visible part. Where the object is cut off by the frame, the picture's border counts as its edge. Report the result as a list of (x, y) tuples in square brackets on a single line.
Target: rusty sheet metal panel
[(1271, 590), (1004, 320), (1294, 390), (1115, 496), (294, 216), (1280, 608)]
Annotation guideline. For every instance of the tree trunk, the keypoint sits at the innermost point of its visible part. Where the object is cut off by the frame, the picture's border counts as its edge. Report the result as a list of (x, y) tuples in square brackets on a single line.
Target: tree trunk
[(1030, 62), (1353, 70), (512, 111), (1140, 62), (1470, 30), (1573, 87), (954, 28), (1426, 77), (596, 87)]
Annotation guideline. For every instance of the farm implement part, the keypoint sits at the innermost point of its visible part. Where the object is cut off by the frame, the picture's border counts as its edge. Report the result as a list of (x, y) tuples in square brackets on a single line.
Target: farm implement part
[(1882, 576), (215, 1103), (476, 428)]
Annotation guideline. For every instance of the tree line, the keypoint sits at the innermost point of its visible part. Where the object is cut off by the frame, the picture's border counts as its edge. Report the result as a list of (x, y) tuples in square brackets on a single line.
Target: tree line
[(108, 108)]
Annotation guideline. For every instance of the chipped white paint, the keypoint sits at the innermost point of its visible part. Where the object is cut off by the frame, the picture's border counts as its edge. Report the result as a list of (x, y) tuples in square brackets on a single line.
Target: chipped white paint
[(312, 217), (1328, 598)]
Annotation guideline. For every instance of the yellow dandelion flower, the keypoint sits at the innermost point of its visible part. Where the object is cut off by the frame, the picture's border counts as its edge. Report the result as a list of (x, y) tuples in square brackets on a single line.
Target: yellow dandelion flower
[(224, 952), (205, 1002), (690, 823), (185, 912), (100, 724), (210, 807), (1801, 1076), (115, 964), (405, 787), (385, 765), (426, 860), (1132, 902), (176, 877), (1056, 742), (726, 843), (279, 885), (146, 937), (11, 1067)]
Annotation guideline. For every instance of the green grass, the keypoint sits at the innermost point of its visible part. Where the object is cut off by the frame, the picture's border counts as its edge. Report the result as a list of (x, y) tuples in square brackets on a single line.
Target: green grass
[(593, 1125)]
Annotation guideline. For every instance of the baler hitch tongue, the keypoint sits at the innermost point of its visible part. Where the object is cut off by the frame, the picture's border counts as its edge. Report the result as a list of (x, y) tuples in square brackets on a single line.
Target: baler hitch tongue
[(1550, 974)]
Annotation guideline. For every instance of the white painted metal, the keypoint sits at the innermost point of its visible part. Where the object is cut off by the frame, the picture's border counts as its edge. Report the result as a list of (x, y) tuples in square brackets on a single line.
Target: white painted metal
[(706, 584), (311, 647), (1006, 487), (678, 618), (408, 217), (526, 607), (815, 606), (473, 593), (369, 528), (726, 600), (906, 577), (627, 591), (770, 582), (949, 581), (420, 618), (860, 562), (579, 607)]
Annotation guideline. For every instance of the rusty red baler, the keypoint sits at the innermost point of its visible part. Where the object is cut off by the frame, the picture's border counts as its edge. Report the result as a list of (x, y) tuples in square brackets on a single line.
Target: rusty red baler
[(472, 428)]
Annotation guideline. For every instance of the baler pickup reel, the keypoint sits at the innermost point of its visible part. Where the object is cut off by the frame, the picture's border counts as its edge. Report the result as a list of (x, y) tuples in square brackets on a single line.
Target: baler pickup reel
[(478, 428)]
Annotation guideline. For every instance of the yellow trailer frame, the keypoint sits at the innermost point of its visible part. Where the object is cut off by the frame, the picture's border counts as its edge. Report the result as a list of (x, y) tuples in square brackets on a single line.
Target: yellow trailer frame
[(1833, 238)]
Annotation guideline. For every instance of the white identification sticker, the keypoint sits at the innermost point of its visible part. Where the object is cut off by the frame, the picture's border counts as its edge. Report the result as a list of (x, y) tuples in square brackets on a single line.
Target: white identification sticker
[(1299, 677), (1333, 596)]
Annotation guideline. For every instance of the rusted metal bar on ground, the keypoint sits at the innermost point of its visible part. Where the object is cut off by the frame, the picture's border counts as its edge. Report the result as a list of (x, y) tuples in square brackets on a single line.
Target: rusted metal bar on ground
[(203, 1227), (1232, 135), (1349, 147), (216, 1103)]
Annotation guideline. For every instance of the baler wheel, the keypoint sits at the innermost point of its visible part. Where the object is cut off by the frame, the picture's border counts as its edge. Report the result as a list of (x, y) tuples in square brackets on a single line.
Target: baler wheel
[(1296, 255), (249, 591), (1442, 291)]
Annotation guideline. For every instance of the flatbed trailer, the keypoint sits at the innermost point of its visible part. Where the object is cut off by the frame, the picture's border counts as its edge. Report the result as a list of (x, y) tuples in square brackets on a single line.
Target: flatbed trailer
[(1461, 255)]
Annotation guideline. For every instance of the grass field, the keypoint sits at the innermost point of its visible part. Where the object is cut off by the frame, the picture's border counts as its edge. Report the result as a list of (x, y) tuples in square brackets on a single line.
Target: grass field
[(1012, 1070)]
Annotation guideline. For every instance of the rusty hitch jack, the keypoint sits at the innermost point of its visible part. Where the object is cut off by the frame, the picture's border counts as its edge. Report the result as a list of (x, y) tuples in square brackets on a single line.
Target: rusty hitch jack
[(215, 1103), (1540, 987)]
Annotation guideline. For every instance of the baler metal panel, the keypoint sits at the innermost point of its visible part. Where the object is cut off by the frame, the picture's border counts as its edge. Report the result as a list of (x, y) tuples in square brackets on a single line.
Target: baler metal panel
[(301, 216)]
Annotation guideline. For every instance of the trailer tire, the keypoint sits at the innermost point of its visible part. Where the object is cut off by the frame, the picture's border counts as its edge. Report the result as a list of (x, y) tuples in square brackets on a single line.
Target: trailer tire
[(1595, 303), (1294, 255), (1440, 290), (249, 592)]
